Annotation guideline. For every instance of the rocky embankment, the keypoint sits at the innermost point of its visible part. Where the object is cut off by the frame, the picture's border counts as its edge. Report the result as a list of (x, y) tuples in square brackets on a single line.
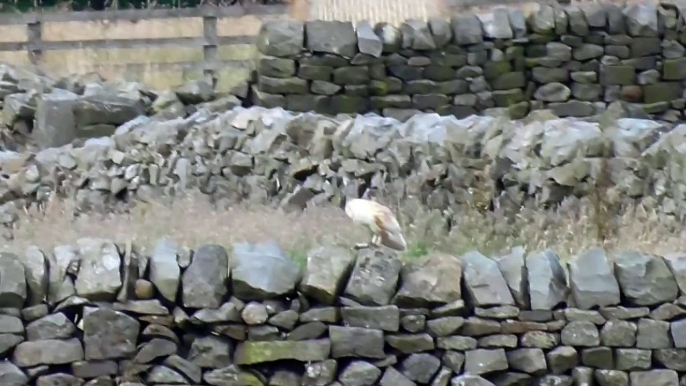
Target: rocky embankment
[(272, 156), (97, 312)]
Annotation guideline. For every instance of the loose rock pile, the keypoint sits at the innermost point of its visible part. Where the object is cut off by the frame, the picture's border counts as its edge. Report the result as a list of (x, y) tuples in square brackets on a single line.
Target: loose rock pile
[(271, 156), (99, 312), (56, 112), (571, 59)]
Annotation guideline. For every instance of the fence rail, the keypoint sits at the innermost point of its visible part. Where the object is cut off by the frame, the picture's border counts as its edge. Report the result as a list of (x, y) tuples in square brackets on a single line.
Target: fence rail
[(36, 44), (144, 14)]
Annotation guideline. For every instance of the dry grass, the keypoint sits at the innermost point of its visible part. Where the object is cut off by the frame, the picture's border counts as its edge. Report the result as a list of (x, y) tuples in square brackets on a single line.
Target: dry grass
[(194, 220)]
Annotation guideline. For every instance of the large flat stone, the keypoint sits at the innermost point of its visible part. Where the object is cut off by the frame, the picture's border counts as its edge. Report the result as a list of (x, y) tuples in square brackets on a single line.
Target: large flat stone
[(262, 271), (48, 352), (204, 282), (99, 277), (333, 37), (593, 281), (13, 291), (248, 353), (325, 273), (109, 334), (374, 278), (435, 280)]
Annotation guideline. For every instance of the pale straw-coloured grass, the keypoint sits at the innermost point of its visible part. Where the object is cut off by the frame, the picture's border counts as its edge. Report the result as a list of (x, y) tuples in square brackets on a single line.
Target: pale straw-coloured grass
[(193, 220)]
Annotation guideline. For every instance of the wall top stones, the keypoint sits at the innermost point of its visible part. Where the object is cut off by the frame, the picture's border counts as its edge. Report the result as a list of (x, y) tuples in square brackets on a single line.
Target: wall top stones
[(287, 38)]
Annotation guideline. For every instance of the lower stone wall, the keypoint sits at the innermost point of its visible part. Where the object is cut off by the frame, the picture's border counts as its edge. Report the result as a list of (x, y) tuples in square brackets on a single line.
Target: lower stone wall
[(102, 313)]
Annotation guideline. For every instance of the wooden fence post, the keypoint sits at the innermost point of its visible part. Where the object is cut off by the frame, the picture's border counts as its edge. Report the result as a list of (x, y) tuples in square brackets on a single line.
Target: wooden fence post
[(35, 36), (210, 48)]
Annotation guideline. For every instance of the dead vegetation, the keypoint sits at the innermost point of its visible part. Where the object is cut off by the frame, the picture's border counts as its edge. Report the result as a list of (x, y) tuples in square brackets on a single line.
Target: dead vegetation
[(194, 220)]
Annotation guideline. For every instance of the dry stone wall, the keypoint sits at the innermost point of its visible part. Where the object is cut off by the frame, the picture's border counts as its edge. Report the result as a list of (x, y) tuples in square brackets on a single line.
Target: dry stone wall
[(102, 313), (104, 143), (571, 59), (275, 157)]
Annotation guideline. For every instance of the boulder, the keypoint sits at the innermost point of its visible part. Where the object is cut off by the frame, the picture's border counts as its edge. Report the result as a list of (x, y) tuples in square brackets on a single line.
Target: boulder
[(164, 375), (393, 377), (593, 281), (547, 280), (109, 334), (368, 42), (359, 373), (641, 20), (99, 277), (484, 282), (55, 124), (8, 342), (528, 360), (187, 368), (580, 333), (496, 24), (262, 271), (417, 35), (320, 373), (231, 374), (53, 326), (37, 279), (483, 361), (325, 273), (467, 29), (248, 353), (513, 268), (281, 38), (420, 367), (390, 36), (645, 280), (677, 265), (10, 324), (356, 342), (470, 380), (211, 351), (654, 377), (204, 282), (435, 280), (104, 109), (11, 375), (441, 31), (13, 291), (542, 21), (48, 352), (374, 278), (194, 92), (332, 37), (386, 318), (165, 272), (17, 107), (60, 285)]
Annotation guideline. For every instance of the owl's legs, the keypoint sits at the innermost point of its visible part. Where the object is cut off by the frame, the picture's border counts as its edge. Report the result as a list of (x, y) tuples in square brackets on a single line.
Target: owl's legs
[(374, 242)]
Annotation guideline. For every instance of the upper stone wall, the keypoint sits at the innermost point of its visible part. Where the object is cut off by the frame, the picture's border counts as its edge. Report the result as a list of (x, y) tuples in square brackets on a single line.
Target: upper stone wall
[(573, 60)]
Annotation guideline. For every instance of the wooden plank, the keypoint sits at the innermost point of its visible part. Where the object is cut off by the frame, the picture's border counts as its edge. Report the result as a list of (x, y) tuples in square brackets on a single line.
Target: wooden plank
[(131, 43), (141, 14), (200, 66)]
